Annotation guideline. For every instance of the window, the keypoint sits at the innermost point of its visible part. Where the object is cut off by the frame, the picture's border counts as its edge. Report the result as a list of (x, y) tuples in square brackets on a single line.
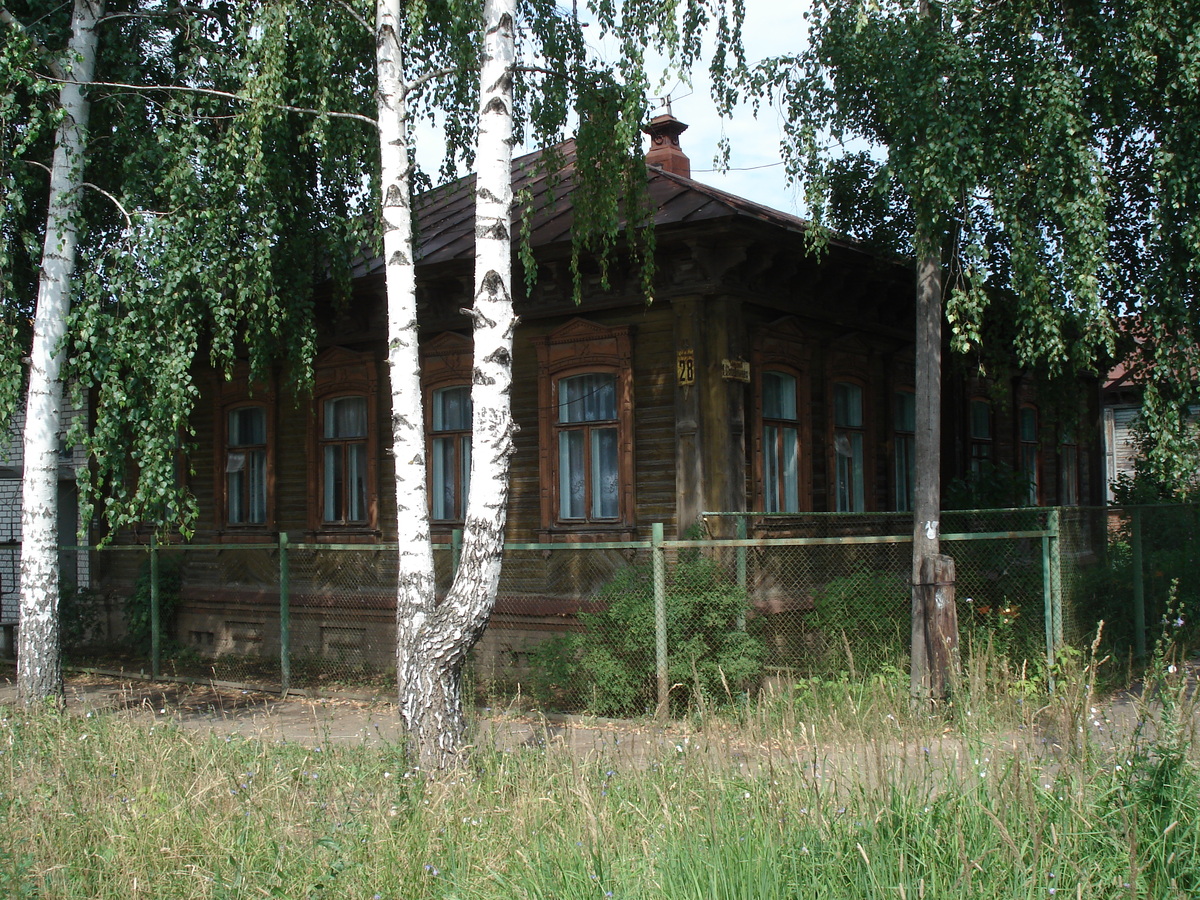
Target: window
[(585, 400), (980, 435), (848, 441), (780, 443), (244, 438), (344, 461), (246, 466), (1027, 423), (343, 446), (446, 365), (450, 452), (1068, 469), (588, 477), (780, 434), (904, 448)]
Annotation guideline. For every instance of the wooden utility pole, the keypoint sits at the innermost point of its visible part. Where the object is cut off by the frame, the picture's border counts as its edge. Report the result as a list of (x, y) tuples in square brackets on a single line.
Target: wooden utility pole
[(934, 628)]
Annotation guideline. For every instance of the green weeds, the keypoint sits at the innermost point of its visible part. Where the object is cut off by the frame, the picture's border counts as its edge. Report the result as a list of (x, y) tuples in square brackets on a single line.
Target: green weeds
[(829, 789)]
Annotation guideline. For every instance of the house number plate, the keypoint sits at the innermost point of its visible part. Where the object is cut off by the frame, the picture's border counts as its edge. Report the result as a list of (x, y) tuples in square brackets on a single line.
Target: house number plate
[(685, 366)]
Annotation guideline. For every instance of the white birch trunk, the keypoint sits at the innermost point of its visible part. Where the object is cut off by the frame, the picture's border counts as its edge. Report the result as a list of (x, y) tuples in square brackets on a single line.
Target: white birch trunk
[(39, 667), (432, 641), (415, 601)]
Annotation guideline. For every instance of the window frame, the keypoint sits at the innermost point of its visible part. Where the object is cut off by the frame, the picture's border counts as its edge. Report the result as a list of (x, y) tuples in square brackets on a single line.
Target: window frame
[(862, 431), (981, 449), (240, 393), (761, 443), (460, 437), (247, 450), (447, 360), (325, 441), (907, 439), (1029, 453), (339, 373), (781, 346), (580, 347), (1070, 483)]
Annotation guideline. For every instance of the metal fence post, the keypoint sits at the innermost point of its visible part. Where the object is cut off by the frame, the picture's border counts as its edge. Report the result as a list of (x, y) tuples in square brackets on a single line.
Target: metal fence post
[(285, 618), (1139, 588), (658, 556), (1048, 608), (741, 571), (1056, 592), (155, 612)]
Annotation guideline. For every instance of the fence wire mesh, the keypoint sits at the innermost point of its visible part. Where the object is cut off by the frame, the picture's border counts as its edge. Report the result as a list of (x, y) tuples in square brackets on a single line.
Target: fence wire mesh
[(577, 627)]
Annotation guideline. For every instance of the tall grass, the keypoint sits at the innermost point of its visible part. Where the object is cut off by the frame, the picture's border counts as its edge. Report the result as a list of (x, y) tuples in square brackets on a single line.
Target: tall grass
[(109, 806)]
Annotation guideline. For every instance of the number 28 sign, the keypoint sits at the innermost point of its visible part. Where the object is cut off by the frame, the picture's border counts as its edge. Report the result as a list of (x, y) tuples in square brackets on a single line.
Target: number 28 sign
[(685, 366)]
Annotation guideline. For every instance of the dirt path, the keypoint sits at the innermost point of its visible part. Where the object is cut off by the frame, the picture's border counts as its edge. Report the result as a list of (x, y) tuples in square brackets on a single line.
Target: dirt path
[(317, 722)]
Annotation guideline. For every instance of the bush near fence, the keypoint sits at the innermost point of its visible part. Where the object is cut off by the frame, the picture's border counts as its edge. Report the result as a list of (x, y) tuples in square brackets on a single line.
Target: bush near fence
[(575, 627)]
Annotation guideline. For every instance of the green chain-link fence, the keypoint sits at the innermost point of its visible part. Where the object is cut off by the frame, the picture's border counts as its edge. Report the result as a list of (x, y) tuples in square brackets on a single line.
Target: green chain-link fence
[(613, 628)]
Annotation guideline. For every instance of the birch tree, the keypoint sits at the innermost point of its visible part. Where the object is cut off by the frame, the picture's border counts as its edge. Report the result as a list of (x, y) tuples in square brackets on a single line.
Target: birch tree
[(39, 672), (434, 638), (265, 180), (978, 114), (181, 249)]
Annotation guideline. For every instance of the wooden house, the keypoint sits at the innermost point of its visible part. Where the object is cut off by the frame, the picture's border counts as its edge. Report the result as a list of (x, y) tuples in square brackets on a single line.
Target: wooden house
[(762, 377)]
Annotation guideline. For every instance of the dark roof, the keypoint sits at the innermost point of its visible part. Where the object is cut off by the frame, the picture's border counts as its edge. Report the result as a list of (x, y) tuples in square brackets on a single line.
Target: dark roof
[(446, 214)]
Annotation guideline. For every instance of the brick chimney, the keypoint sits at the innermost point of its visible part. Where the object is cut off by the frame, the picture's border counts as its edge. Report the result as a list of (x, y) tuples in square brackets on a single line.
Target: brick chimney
[(664, 149)]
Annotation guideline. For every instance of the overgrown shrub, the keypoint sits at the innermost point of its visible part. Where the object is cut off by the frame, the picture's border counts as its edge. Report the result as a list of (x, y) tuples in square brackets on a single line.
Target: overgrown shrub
[(611, 665), (80, 616), (868, 613), (137, 606)]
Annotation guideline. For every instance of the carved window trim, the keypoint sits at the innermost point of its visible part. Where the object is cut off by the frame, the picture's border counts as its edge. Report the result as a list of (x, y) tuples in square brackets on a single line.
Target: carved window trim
[(339, 372), (239, 393), (447, 360), (581, 347)]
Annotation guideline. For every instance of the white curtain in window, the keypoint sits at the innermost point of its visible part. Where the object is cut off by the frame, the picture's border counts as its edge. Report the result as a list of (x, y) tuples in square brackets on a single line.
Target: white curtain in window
[(572, 479), (452, 409), (333, 482), (605, 477), (587, 398), (444, 506), (356, 474), (346, 417), (256, 474), (246, 470), (848, 446)]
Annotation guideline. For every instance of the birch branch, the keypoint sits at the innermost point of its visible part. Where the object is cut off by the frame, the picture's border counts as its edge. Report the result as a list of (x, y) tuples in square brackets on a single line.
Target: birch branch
[(52, 64), (210, 92)]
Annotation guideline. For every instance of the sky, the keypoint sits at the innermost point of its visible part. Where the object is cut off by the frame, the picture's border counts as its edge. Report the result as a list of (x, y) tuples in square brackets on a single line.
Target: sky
[(772, 27)]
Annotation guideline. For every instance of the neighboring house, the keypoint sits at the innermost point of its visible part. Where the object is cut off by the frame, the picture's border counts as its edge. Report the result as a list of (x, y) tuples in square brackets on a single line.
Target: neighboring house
[(74, 566), (1121, 401), (1121, 405), (762, 377)]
